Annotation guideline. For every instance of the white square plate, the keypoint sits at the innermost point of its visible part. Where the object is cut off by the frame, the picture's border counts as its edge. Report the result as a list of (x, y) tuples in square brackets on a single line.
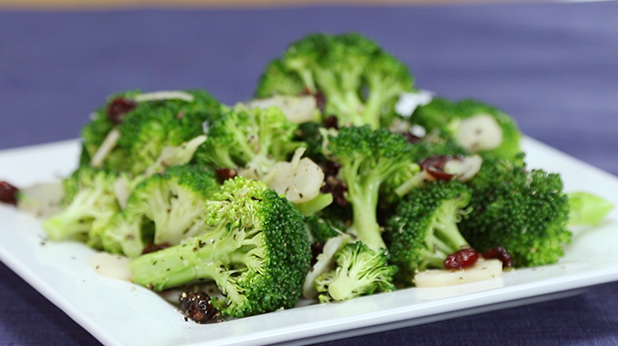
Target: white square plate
[(120, 313)]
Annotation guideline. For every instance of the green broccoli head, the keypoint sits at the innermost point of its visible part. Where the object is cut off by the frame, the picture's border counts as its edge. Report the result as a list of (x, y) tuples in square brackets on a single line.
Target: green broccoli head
[(477, 127), (145, 125), (163, 210), (367, 158), (360, 81), (359, 271), (252, 139), (423, 229), (254, 247), (524, 211), (89, 203)]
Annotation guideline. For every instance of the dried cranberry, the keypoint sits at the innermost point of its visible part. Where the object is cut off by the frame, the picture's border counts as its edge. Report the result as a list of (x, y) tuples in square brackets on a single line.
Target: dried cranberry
[(198, 307), (152, 247), (316, 250), (8, 193), (331, 122), (412, 139), (118, 108), (461, 259), (500, 253), (320, 101), (434, 165), (225, 173)]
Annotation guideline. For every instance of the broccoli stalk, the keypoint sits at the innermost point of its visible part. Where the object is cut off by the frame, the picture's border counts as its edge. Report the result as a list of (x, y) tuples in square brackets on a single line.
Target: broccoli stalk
[(367, 158), (253, 246), (424, 230)]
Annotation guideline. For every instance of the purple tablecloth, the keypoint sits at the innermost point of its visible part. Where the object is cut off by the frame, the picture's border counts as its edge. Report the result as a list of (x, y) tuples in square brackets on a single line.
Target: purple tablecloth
[(554, 67)]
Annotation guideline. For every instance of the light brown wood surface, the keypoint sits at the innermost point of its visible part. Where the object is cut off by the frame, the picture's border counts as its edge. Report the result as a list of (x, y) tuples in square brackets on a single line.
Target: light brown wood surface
[(106, 4)]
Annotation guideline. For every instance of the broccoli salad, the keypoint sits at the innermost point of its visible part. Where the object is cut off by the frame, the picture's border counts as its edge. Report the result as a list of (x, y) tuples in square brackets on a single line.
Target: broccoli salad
[(339, 179)]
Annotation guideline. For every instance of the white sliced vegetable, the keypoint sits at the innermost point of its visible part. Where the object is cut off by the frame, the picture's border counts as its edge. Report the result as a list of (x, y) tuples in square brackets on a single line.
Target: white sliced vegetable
[(297, 109), (110, 266), (109, 143), (325, 262), (478, 133), (408, 102), (464, 169), (176, 156), (480, 271), (41, 200), (300, 180), (164, 95)]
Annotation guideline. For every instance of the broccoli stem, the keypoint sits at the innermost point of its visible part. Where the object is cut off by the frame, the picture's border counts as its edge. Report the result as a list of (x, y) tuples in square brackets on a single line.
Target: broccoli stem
[(446, 236), (364, 199), (201, 258)]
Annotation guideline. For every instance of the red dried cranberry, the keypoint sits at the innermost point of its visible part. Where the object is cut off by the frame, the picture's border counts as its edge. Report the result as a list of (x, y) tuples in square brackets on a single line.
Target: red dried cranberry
[(225, 173), (500, 253), (320, 101), (118, 108), (152, 247), (198, 307), (8, 193), (412, 139), (331, 122), (461, 259)]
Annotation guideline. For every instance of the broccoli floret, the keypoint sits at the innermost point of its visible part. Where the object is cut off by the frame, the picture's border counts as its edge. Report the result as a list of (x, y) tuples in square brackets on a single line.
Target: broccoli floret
[(144, 124), (359, 271), (360, 81), (163, 209), (475, 126), (88, 204), (253, 246), (524, 211), (423, 229), (253, 140), (367, 158)]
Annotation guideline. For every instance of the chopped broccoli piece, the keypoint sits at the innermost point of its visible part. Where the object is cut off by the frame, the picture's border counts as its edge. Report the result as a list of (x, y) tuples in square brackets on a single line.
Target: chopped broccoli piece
[(359, 271), (162, 209), (368, 158), (145, 127), (253, 246), (587, 209), (423, 229), (524, 211), (254, 140), (475, 126), (360, 81), (88, 204)]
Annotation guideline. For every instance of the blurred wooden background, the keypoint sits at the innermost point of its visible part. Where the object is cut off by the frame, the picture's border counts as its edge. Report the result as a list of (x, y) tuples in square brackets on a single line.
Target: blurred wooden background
[(94, 4)]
